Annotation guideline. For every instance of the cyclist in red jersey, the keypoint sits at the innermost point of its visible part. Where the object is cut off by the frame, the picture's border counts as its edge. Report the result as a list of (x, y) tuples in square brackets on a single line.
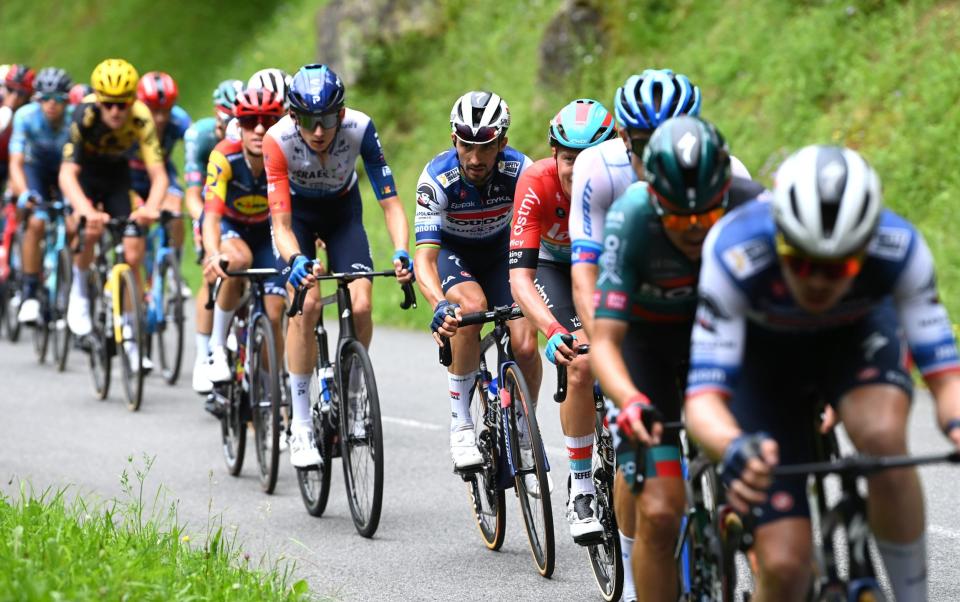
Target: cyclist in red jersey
[(540, 283)]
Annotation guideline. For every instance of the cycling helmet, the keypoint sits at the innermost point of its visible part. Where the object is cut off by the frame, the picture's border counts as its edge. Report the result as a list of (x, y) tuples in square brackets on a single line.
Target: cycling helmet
[(20, 77), (52, 80), (316, 89), (114, 79), (157, 90), (647, 100), (479, 117), (257, 102), (581, 124), (687, 164), (78, 92), (225, 95), (827, 201), (273, 79)]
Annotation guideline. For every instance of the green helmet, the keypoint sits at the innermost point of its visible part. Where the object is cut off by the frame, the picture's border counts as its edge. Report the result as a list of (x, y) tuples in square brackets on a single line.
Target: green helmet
[(687, 164), (225, 95)]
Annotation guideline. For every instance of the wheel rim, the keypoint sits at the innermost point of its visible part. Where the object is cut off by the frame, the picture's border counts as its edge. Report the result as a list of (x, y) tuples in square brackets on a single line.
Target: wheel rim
[(169, 328), (132, 335), (361, 444), (264, 404), (485, 496)]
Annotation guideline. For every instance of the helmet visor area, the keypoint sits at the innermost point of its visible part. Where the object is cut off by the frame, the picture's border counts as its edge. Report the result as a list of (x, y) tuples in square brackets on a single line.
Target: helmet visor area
[(483, 135), (310, 121), (803, 265)]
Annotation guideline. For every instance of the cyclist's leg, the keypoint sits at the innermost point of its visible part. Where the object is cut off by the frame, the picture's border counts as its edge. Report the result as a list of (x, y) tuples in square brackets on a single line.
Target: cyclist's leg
[(495, 279), (233, 245), (173, 201), (39, 180), (204, 326), (78, 310), (625, 503)]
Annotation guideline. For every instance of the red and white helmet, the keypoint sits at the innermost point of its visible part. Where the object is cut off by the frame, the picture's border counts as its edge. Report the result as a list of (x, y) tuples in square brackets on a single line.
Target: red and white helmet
[(157, 90)]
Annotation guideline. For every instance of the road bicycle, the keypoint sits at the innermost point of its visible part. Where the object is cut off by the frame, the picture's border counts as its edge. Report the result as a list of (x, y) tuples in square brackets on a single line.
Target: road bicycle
[(345, 409), (164, 302), (10, 265), (55, 282), (508, 436)]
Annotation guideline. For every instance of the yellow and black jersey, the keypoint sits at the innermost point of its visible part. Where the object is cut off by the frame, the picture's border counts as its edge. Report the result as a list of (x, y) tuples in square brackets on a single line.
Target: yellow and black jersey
[(92, 142)]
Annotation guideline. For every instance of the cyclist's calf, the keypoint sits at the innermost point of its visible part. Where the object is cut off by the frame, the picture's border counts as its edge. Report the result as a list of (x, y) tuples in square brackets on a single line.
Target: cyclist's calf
[(784, 553)]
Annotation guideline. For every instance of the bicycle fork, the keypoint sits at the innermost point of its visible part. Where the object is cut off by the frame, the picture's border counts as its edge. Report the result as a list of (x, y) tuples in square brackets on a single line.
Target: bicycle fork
[(113, 293)]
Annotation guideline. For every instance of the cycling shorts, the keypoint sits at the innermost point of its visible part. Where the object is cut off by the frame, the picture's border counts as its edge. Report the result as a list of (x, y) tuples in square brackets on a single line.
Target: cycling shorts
[(339, 227), (108, 186), (259, 238), (556, 289), (141, 182), (785, 375), (482, 264), (42, 178)]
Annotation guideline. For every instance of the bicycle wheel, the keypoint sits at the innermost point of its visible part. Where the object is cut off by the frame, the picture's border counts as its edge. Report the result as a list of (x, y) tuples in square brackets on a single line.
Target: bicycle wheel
[(314, 482), (61, 298), (605, 557), (233, 426), (361, 438), (528, 458), (41, 329), (486, 498), (712, 537), (100, 341), (265, 400), (133, 344), (169, 329), (14, 286)]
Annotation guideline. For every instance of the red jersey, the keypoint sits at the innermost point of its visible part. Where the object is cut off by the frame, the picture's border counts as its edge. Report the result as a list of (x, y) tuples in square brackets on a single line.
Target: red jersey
[(540, 214)]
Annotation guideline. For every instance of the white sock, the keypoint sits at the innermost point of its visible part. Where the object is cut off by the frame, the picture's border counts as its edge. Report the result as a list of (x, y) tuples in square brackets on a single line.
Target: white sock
[(79, 287), (203, 345), (221, 321), (300, 388), (907, 568), (460, 386), (626, 553), (580, 456)]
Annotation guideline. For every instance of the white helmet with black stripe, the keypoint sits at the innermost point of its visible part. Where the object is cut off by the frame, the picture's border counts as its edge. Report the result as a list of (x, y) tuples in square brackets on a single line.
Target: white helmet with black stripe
[(827, 201), (479, 117), (273, 79)]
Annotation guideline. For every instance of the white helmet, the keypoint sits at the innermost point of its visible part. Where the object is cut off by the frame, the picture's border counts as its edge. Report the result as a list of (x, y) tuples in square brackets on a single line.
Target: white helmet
[(273, 79), (479, 117), (827, 201)]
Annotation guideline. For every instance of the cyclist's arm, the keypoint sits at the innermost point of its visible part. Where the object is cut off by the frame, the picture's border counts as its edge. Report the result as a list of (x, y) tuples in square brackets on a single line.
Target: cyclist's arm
[(192, 172), (219, 173), (430, 203), (16, 149), (428, 276), (589, 198), (193, 201), (152, 155), (606, 360), (159, 182), (524, 253), (283, 235), (384, 187), (69, 180), (18, 178), (396, 220), (584, 277)]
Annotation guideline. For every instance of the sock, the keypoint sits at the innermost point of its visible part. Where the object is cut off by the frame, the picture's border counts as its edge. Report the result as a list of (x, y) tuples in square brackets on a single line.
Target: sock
[(580, 455), (79, 288), (221, 321), (907, 568), (203, 345), (300, 388), (626, 553), (30, 284), (460, 389)]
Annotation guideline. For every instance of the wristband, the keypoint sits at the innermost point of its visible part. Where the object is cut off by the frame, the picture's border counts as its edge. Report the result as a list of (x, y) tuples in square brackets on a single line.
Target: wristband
[(952, 424), (637, 397), (554, 328), (293, 258)]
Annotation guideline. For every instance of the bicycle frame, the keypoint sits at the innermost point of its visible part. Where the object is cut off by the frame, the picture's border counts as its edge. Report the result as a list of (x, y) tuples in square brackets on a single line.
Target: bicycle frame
[(158, 249), (55, 238)]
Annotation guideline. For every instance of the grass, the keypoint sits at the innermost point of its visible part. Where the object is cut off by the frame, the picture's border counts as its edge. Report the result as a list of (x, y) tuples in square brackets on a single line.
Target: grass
[(872, 74), (54, 546)]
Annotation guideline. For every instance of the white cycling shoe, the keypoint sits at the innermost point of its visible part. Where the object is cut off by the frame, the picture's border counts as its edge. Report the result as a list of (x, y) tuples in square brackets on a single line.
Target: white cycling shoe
[(463, 449), (218, 370), (585, 528), (303, 449), (530, 479), (78, 316), (201, 384), (29, 311)]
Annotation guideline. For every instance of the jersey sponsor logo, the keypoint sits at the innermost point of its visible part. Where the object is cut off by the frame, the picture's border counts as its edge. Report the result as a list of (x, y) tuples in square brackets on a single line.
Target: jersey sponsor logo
[(585, 204), (648, 289), (250, 204), (708, 313), (748, 258), (872, 344), (608, 262), (419, 229), (509, 168), (616, 301), (447, 280), (708, 375), (530, 199), (385, 171), (890, 243), (555, 233), (386, 190), (426, 196), (449, 177)]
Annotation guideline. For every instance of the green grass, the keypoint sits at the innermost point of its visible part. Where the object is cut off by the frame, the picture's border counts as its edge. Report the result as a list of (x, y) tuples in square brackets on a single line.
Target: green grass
[(876, 75), (56, 546)]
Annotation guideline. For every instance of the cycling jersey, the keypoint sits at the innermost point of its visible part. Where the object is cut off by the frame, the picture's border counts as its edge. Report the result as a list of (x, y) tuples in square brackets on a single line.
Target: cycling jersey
[(35, 139), (600, 175), (232, 190), (452, 211), (198, 142), (540, 213), (92, 143), (173, 132), (741, 282), (293, 168), (643, 276)]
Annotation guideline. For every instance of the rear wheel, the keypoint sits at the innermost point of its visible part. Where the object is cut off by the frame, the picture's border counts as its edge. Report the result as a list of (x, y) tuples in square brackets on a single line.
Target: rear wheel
[(605, 557), (14, 286), (170, 329), (100, 342), (233, 426), (133, 344), (41, 328), (265, 400), (61, 298)]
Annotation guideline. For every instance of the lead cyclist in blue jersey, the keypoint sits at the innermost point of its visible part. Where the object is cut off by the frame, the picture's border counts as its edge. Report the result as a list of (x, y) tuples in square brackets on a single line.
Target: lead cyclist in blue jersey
[(36, 145), (818, 292)]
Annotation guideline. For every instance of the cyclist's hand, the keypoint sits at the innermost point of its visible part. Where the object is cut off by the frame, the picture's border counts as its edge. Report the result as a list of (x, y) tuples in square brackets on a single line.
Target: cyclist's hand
[(96, 218), (829, 419), (212, 269), (953, 431), (747, 468), (404, 274), (197, 234), (636, 416), (301, 272), (145, 215), (446, 320), (27, 199), (557, 351)]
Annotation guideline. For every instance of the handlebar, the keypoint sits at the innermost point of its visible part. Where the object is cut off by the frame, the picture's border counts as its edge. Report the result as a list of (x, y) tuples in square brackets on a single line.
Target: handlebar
[(252, 274), (503, 313), (561, 393), (863, 465), (409, 296)]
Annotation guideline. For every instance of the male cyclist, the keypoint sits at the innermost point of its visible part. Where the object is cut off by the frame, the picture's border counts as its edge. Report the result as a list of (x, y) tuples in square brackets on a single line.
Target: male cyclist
[(78, 92), (17, 89), (198, 142), (273, 79), (39, 132), (825, 290), (95, 176), (236, 224), (464, 204), (311, 157), (540, 284), (641, 335)]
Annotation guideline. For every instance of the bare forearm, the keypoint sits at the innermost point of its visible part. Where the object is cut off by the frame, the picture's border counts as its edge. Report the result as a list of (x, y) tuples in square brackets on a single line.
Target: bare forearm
[(194, 202), (428, 277), (18, 179), (71, 189), (211, 234), (584, 278), (606, 361), (710, 423), (283, 236), (159, 182), (525, 294), (946, 391), (396, 220)]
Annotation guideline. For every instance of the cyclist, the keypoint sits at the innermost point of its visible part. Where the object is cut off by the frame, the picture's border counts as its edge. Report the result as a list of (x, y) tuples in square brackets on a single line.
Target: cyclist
[(95, 176), (273, 79), (641, 335), (310, 158), (540, 283), (36, 146), (78, 92), (198, 142), (826, 290), (18, 87), (464, 204), (236, 224)]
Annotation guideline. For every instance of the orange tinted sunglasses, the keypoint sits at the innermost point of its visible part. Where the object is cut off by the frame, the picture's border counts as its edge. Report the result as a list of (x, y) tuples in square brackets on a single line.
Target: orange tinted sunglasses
[(681, 222), (803, 266)]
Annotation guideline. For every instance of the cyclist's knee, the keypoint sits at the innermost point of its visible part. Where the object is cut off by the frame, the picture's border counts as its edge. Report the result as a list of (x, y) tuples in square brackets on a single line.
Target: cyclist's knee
[(660, 515), (362, 307), (35, 225), (579, 375), (525, 348), (784, 574)]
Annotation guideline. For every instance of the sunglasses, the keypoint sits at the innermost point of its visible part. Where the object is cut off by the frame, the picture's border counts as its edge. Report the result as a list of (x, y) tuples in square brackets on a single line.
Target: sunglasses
[(483, 135), (115, 106), (639, 143), (310, 121), (250, 122), (803, 266), (52, 96), (680, 222)]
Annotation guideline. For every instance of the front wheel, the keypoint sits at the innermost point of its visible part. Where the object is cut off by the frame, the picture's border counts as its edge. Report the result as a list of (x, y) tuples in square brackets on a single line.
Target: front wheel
[(314, 482), (265, 400), (100, 342), (605, 556), (169, 327), (361, 438), (133, 343), (41, 329), (61, 297), (233, 426), (14, 288)]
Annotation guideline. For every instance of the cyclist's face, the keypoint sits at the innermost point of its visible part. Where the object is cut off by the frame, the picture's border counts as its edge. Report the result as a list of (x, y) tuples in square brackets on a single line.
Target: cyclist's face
[(252, 139), (478, 160), (815, 292), (220, 125), (689, 240), (319, 139), (636, 141), (565, 159), (161, 117), (114, 114), (53, 109)]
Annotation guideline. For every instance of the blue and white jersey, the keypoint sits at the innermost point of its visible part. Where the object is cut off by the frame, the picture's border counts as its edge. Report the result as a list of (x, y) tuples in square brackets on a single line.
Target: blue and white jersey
[(451, 210), (741, 280), (36, 139)]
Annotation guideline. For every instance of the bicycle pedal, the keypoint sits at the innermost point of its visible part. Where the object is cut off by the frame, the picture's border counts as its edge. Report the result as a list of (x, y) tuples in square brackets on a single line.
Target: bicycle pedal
[(589, 539)]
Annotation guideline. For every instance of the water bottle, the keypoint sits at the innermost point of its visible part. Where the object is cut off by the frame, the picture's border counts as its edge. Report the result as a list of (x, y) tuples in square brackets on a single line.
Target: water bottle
[(325, 380)]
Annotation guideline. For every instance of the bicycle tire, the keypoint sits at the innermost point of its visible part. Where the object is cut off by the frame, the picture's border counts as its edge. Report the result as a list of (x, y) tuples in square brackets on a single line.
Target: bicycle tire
[(233, 429), (265, 401), (541, 536), (487, 500), (361, 437), (711, 545), (133, 307), (41, 329), (314, 482), (100, 340), (61, 297), (606, 560), (169, 330), (14, 285)]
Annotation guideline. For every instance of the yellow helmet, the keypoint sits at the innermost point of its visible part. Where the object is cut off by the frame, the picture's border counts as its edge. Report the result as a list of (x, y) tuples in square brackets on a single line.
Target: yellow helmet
[(115, 79)]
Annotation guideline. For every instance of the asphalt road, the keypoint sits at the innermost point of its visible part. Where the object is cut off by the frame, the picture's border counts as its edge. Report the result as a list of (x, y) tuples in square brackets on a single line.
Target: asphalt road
[(55, 433)]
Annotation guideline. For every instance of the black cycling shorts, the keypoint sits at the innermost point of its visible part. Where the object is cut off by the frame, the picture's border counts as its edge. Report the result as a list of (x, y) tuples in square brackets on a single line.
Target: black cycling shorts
[(486, 264), (556, 289), (339, 224)]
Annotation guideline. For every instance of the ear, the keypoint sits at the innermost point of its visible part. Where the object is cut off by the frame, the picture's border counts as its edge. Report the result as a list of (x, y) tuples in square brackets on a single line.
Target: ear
[(453, 139), (503, 143), (343, 111)]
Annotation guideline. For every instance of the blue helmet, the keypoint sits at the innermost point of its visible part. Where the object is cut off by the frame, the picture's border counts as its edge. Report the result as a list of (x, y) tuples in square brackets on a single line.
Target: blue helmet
[(315, 89), (581, 124), (647, 100)]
